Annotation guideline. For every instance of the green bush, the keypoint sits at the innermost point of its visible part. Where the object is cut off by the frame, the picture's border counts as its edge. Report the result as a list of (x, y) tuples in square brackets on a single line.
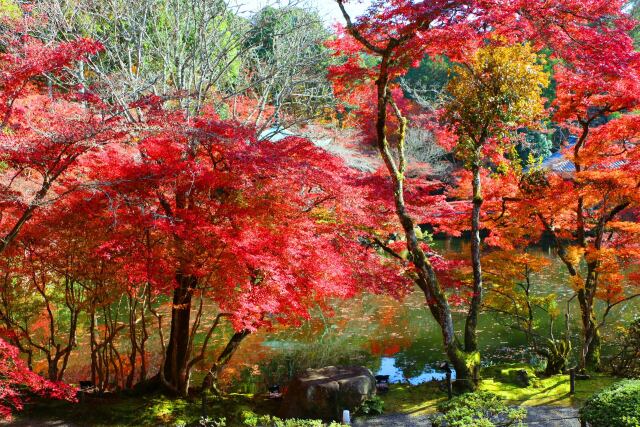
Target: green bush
[(615, 406), (480, 409), (209, 422), (626, 361), (252, 419), (373, 406)]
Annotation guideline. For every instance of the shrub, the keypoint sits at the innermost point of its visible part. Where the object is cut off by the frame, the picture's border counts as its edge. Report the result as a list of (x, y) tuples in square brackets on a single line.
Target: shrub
[(254, 420), (615, 406), (210, 422), (373, 406), (626, 362), (480, 409)]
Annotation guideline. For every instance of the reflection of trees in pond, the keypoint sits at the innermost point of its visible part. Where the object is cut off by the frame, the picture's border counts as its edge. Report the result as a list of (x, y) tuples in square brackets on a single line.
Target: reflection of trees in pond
[(423, 352), (362, 331)]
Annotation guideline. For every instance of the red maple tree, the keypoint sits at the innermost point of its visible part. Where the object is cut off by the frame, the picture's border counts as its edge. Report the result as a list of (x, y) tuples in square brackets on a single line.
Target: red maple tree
[(398, 35)]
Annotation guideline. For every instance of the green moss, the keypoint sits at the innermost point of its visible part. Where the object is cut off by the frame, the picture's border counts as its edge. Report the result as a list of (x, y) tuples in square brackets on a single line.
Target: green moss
[(151, 410), (506, 371), (408, 399), (471, 360), (424, 398), (552, 390)]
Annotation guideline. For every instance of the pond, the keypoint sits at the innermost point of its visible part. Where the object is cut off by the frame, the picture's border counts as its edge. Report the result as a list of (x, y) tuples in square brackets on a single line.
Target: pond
[(395, 338)]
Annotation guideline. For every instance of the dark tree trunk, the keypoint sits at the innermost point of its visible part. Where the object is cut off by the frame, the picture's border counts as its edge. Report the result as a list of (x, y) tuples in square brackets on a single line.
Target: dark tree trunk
[(133, 341), (94, 348), (177, 355), (467, 364), (556, 354), (590, 352)]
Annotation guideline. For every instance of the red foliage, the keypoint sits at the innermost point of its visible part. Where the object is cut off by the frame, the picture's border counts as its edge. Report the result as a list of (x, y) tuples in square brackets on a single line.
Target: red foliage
[(45, 132), (17, 381)]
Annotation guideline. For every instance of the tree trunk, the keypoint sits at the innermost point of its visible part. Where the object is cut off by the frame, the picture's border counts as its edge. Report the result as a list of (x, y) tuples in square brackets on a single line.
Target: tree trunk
[(94, 346), (471, 326), (210, 381), (590, 352), (177, 357), (467, 364), (593, 361), (556, 354), (133, 340)]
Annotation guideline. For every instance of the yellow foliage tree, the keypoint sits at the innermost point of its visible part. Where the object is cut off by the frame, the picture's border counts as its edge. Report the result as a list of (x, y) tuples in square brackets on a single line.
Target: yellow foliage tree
[(496, 91), (9, 9)]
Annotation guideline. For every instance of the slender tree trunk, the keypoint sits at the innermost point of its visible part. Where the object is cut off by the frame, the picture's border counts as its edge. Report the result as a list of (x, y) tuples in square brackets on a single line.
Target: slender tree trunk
[(177, 357), (133, 339), (53, 368), (143, 341), (210, 381), (94, 347), (471, 326), (590, 352), (466, 363)]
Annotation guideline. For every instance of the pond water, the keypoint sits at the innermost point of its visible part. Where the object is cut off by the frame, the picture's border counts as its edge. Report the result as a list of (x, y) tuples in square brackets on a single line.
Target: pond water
[(397, 375), (395, 338)]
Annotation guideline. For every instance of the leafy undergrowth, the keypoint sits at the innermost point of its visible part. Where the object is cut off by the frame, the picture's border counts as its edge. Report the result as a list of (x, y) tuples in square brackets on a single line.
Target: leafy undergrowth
[(424, 398)]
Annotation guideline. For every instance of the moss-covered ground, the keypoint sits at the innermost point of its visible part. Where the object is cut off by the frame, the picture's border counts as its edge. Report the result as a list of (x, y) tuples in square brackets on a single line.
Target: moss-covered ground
[(500, 380), (159, 410), (147, 410)]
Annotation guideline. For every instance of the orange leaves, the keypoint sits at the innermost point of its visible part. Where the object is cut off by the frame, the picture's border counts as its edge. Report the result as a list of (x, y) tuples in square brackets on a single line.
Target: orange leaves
[(574, 254), (513, 265)]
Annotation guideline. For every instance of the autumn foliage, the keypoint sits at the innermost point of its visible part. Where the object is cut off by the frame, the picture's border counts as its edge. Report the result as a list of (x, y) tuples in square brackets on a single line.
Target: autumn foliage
[(127, 224), (231, 228), (491, 97), (17, 381)]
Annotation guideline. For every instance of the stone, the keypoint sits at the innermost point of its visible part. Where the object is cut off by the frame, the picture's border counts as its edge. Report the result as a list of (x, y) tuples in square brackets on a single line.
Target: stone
[(324, 393), (522, 378)]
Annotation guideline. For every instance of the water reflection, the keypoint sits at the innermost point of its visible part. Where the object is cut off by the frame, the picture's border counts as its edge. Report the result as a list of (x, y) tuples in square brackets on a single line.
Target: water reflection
[(397, 375), (398, 338)]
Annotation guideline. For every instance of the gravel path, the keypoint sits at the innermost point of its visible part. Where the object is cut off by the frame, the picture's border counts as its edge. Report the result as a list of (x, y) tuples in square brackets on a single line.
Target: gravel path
[(538, 416), (394, 420), (552, 416)]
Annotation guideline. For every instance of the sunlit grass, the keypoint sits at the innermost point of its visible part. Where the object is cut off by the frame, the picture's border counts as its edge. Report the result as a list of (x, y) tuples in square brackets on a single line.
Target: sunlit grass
[(414, 400), (423, 399), (150, 410)]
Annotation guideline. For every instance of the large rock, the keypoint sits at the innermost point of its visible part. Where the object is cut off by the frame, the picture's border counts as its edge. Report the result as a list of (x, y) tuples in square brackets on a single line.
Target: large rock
[(324, 393)]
